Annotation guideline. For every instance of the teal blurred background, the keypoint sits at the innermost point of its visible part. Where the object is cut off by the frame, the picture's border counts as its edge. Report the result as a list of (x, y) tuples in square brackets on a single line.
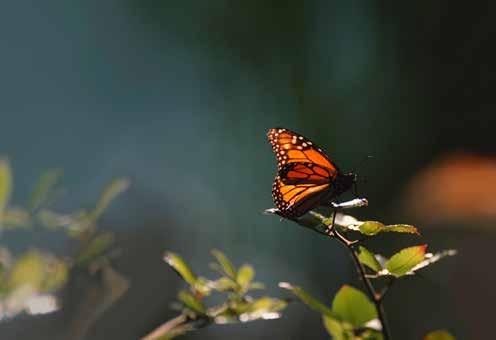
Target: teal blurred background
[(178, 97)]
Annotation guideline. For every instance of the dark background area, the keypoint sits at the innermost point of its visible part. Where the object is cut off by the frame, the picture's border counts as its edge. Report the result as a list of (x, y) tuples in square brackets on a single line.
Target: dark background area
[(178, 96)]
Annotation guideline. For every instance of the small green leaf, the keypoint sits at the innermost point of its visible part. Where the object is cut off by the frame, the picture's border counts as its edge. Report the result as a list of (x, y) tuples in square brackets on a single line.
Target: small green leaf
[(224, 262), (371, 335), (373, 227), (192, 302), (245, 276), (335, 328), (403, 261), (262, 308), (439, 335), (353, 306), (46, 182), (307, 299), (94, 248), (223, 284), (368, 259), (29, 269), (430, 258), (5, 185), (114, 189), (180, 266), (401, 228)]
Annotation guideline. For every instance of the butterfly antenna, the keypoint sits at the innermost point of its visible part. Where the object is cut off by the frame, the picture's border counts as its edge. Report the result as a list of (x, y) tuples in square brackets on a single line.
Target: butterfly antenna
[(361, 179)]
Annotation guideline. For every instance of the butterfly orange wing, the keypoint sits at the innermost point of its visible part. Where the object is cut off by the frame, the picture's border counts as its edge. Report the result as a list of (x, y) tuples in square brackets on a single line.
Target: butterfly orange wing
[(305, 173), (294, 200), (290, 147)]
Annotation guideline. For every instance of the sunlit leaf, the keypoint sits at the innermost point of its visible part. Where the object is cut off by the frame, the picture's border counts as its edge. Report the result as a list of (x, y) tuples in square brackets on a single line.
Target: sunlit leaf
[(430, 258), (202, 286), (5, 186), (223, 284), (95, 248), (263, 308), (335, 328), (373, 227), (439, 335), (192, 302), (353, 306), (405, 260), (225, 263), (368, 259), (309, 300), (114, 189), (401, 228), (27, 270), (45, 184), (180, 266), (245, 276)]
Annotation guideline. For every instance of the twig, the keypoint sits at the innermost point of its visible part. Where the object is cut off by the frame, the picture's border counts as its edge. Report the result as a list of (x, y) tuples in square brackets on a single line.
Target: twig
[(376, 297), (181, 324)]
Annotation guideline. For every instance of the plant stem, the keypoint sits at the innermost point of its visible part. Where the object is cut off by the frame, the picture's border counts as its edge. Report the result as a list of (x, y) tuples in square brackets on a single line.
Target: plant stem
[(376, 297), (180, 324)]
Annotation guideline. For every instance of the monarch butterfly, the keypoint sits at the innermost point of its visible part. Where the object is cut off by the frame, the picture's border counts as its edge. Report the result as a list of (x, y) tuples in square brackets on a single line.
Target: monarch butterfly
[(306, 177)]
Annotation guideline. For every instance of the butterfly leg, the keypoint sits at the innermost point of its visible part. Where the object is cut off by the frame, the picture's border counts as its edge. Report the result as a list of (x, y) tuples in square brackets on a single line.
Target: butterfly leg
[(330, 228)]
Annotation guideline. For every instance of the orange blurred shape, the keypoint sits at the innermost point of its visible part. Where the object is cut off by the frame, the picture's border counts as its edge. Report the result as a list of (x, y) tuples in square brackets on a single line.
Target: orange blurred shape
[(459, 187)]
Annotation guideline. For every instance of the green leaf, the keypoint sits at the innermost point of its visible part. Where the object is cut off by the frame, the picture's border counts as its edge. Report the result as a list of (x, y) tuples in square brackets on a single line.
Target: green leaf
[(5, 186), (45, 184), (371, 335), (373, 227), (402, 262), (263, 308), (439, 335), (223, 284), (368, 259), (430, 258), (245, 276), (114, 189), (29, 269), (224, 262), (335, 328), (353, 306), (94, 248), (401, 228), (307, 299), (180, 266), (192, 302)]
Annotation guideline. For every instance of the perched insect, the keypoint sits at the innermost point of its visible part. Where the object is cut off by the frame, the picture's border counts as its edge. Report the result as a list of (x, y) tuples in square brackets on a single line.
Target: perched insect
[(306, 177)]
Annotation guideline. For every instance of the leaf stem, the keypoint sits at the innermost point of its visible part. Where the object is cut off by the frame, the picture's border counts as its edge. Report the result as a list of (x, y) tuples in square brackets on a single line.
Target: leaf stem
[(376, 297)]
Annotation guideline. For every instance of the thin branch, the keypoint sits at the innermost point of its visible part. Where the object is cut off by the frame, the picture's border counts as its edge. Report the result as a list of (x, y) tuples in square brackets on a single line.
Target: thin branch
[(180, 324), (376, 297)]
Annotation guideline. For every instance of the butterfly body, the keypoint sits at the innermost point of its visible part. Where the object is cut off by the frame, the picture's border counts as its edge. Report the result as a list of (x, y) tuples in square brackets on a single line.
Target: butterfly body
[(306, 177)]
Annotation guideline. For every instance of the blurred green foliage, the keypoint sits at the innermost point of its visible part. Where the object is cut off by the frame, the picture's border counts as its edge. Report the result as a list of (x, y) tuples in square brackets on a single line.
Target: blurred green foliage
[(354, 314), (234, 284), (32, 280)]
